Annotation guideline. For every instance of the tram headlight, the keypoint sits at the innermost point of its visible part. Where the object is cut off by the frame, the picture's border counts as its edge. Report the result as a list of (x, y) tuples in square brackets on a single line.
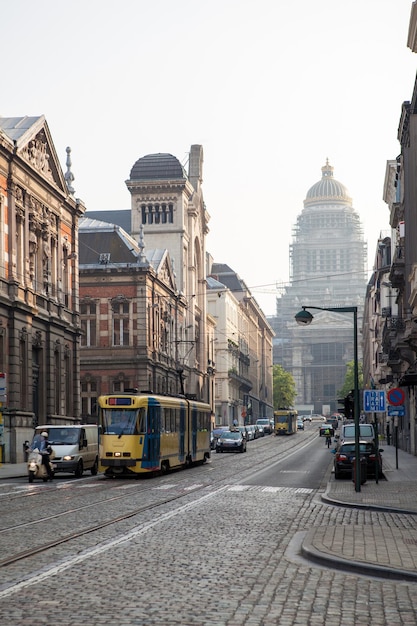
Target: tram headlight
[(117, 454)]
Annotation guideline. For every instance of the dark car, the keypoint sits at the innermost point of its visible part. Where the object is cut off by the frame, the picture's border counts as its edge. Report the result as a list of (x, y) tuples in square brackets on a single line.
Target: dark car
[(231, 441), (215, 434), (326, 427), (345, 453)]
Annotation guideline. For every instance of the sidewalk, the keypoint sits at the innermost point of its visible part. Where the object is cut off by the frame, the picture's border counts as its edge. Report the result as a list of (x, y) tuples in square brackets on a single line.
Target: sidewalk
[(375, 550), (387, 549)]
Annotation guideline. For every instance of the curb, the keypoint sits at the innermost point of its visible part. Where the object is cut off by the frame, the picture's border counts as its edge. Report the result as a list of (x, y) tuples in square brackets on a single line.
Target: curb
[(311, 553)]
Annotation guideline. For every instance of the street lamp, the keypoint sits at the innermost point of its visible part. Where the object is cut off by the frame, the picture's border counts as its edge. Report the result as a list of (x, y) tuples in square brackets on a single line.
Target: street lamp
[(304, 318)]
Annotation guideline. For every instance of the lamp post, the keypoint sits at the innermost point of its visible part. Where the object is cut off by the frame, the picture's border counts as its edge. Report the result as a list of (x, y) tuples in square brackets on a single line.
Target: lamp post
[(304, 318)]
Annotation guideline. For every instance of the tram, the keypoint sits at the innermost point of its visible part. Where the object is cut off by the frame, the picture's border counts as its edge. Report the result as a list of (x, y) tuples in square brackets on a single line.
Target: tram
[(285, 421), (144, 433)]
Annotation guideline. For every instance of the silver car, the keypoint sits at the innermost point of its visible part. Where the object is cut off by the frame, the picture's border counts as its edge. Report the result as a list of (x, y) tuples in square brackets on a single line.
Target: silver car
[(231, 441)]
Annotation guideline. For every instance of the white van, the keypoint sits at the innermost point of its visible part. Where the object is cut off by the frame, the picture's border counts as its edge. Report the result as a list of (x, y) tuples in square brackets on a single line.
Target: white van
[(75, 447), (366, 432)]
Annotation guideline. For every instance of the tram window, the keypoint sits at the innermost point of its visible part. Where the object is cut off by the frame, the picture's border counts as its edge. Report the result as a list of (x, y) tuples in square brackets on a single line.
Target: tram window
[(142, 420)]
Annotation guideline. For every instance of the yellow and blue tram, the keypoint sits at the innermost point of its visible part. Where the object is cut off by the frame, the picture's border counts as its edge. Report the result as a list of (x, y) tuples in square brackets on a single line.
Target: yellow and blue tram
[(285, 421), (146, 433)]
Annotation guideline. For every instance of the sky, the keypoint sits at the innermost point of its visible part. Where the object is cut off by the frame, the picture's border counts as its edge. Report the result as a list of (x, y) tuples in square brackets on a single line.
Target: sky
[(269, 88)]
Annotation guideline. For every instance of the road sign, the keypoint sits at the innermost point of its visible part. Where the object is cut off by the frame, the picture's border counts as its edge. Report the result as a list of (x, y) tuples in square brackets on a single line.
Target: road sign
[(396, 396), (396, 411), (374, 401)]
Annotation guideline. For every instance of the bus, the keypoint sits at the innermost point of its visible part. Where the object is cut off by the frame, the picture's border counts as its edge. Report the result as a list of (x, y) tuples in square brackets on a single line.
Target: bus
[(285, 421), (145, 433)]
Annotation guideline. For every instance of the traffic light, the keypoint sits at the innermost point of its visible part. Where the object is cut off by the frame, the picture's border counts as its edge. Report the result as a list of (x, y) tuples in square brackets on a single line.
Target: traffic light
[(348, 405)]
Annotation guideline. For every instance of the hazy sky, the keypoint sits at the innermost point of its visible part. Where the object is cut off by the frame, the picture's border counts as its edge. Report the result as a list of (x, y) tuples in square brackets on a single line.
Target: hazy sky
[(269, 88)]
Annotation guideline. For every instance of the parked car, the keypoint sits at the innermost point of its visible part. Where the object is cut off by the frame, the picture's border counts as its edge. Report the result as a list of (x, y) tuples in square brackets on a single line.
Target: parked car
[(215, 433), (345, 453), (300, 424), (231, 441), (366, 432), (256, 430), (334, 422), (251, 431), (265, 422), (324, 428), (244, 431)]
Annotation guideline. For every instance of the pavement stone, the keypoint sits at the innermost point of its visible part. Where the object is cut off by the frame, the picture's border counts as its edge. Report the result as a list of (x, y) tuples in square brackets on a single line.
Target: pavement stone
[(386, 549)]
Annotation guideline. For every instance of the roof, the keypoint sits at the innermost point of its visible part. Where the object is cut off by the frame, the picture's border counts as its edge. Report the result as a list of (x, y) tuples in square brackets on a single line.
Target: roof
[(327, 189), (16, 127), (103, 243), (224, 274), (161, 166), (121, 217)]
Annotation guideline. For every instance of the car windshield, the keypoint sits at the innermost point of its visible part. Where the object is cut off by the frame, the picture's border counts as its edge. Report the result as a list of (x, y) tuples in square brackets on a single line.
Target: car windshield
[(350, 447), (364, 430), (231, 435), (61, 436), (263, 422)]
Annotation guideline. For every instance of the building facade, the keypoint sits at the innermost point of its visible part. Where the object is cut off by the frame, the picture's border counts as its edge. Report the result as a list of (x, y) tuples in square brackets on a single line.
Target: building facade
[(243, 350), (327, 269), (39, 321), (133, 318)]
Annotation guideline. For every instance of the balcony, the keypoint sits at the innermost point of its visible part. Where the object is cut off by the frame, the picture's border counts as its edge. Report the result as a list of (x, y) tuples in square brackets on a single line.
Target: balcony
[(245, 383), (397, 271), (393, 329)]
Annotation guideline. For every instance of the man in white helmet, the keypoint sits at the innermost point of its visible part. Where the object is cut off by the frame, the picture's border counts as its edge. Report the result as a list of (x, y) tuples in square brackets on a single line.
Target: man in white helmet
[(45, 450)]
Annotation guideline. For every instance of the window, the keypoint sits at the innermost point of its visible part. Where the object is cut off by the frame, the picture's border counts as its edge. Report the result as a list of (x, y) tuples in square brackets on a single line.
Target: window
[(88, 323), (119, 386), (157, 213), (88, 398), (120, 323)]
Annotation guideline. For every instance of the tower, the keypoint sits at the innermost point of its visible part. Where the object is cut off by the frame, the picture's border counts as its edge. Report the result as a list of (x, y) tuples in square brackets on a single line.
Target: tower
[(167, 203)]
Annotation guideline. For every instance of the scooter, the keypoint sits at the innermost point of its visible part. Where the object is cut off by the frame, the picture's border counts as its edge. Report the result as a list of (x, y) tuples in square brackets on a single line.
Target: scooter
[(36, 469)]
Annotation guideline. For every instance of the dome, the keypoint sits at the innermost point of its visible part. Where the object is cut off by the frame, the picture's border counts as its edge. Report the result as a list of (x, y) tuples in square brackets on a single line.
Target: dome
[(159, 166), (328, 189)]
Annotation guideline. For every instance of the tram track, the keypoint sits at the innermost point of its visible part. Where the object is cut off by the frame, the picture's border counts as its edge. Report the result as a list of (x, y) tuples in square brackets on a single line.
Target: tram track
[(174, 480)]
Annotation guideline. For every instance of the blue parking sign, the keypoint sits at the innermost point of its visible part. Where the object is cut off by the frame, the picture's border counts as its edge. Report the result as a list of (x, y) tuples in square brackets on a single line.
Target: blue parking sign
[(374, 401)]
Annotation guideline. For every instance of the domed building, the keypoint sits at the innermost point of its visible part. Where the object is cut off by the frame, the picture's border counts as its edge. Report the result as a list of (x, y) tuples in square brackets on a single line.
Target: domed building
[(327, 269)]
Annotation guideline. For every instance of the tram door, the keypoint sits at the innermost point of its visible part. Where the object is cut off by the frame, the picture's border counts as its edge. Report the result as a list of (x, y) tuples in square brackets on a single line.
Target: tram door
[(153, 435), (183, 432)]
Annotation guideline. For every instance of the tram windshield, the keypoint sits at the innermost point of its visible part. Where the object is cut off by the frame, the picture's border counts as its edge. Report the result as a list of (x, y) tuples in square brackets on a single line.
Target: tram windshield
[(123, 421)]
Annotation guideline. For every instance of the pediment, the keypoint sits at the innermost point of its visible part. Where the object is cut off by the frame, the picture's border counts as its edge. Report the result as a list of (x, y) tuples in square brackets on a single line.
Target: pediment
[(35, 146), (165, 272), (330, 318)]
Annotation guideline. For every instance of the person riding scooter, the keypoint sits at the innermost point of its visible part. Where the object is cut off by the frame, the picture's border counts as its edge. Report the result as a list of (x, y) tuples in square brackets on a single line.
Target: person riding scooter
[(46, 450)]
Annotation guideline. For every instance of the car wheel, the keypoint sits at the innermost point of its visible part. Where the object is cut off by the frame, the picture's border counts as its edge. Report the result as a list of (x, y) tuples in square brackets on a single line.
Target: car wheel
[(94, 469), (79, 470)]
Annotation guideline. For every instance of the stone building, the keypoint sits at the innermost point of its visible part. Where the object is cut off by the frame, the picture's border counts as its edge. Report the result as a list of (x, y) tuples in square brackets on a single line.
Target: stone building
[(327, 269), (167, 333), (243, 350), (39, 322), (133, 318)]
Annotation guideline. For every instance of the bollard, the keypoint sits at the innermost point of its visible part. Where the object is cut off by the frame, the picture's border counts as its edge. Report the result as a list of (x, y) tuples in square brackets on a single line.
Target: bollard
[(363, 470)]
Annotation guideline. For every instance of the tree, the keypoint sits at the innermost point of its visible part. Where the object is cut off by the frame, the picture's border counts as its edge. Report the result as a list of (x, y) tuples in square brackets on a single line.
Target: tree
[(349, 383), (284, 388)]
